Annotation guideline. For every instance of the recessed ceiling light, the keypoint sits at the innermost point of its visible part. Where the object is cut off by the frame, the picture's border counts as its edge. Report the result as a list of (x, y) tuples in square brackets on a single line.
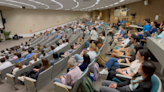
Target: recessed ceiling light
[(77, 4), (40, 3), (116, 3), (61, 6), (111, 5), (121, 0), (11, 4), (21, 3)]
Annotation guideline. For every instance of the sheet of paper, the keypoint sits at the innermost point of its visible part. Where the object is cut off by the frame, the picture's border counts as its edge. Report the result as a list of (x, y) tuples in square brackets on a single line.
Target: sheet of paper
[(156, 17), (161, 35)]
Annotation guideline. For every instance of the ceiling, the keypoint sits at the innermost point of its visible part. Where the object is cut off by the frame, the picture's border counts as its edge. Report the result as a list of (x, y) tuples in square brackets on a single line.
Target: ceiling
[(75, 5)]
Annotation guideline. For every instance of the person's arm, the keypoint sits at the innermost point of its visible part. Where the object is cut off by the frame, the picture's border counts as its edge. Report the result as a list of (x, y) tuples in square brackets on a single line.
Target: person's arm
[(127, 82), (127, 61), (131, 75), (124, 69), (161, 25), (68, 79), (152, 35)]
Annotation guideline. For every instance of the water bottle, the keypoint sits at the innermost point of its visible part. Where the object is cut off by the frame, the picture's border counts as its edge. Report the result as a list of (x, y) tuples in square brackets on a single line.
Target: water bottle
[(155, 35), (92, 77)]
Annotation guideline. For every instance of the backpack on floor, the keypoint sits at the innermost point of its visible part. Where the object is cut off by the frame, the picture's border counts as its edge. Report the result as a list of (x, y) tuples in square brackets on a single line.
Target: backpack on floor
[(86, 85), (101, 60)]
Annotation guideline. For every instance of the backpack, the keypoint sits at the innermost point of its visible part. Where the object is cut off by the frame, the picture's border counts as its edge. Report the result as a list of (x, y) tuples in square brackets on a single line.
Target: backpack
[(101, 60), (86, 85)]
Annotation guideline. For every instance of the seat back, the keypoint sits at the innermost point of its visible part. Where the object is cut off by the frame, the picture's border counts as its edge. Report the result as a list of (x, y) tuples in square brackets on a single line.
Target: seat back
[(60, 88), (77, 83), (6, 70), (13, 61), (43, 78), (38, 55), (92, 62), (49, 57), (156, 84)]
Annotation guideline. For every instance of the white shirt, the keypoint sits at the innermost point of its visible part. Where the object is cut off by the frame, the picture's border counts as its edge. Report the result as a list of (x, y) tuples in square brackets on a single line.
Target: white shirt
[(92, 54), (126, 41), (15, 70), (53, 31), (57, 48), (134, 67), (118, 32), (32, 61), (5, 65), (94, 35)]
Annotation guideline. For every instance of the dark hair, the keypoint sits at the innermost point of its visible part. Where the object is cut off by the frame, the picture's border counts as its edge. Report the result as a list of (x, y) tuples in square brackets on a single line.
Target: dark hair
[(72, 46), (144, 53), (2, 60), (57, 44), (147, 20), (63, 41), (66, 40), (23, 49), (135, 37), (138, 47), (44, 46), (45, 63), (123, 27), (18, 55), (95, 29), (55, 55), (43, 52), (99, 40), (28, 45), (86, 58), (7, 57), (39, 45), (103, 33), (155, 23), (149, 69), (29, 51), (52, 47), (7, 49)]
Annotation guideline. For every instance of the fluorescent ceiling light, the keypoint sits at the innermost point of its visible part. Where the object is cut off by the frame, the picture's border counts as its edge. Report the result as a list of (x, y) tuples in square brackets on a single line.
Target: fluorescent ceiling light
[(97, 8), (102, 7), (111, 5), (116, 3), (121, 0), (92, 5), (11, 4), (67, 9), (40, 3), (61, 6), (106, 6), (21, 3), (77, 4)]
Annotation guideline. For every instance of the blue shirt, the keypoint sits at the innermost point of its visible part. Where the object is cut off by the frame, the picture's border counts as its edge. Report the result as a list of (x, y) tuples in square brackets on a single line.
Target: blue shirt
[(123, 22), (146, 28), (29, 55), (153, 30), (59, 36), (123, 32), (19, 59), (51, 52)]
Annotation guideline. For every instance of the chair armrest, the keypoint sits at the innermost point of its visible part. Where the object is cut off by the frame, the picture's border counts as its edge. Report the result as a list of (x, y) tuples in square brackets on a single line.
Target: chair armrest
[(8, 74), (122, 50), (63, 56), (124, 64), (123, 56), (80, 61), (30, 79), (60, 84), (123, 76)]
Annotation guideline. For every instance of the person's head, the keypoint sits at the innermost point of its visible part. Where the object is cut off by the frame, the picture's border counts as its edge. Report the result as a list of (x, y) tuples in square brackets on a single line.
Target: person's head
[(142, 54), (134, 38), (38, 49), (38, 45), (33, 57), (7, 57), (21, 43), (86, 58), (93, 47), (94, 29), (66, 40), (130, 32), (137, 47), (55, 55), (146, 70), (18, 55), (57, 44), (18, 65), (29, 51), (71, 62), (2, 60), (43, 53), (45, 63), (145, 21), (7, 49), (28, 45), (153, 24), (34, 34), (52, 48), (44, 46), (72, 47), (122, 28), (62, 41), (24, 50), (102, 33)]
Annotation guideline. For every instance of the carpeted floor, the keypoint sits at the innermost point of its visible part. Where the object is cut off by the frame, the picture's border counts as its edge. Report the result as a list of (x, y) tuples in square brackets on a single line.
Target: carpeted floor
[(50, 87)]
